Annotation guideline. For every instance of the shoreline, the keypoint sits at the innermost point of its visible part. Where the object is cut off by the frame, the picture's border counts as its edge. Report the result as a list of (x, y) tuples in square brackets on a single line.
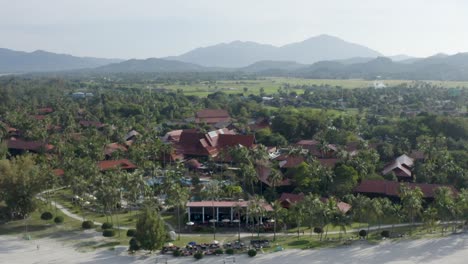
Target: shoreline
[(450, 249)]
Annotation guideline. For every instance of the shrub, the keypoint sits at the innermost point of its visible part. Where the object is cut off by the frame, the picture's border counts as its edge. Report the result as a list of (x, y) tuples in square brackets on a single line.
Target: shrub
[(385, 234), (108, 232), (58, 219), (318, 230), (198, 255), (177, 253), (131, 232), (46, 216), (87, 224), (362, 233), (230, 251), (219, 251), (107, 225), (252, 253), (134, 244)]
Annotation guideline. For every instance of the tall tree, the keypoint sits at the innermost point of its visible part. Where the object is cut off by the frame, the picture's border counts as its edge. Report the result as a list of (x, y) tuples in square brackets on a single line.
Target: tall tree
[(20, 181), (150, 230), (411, 199)]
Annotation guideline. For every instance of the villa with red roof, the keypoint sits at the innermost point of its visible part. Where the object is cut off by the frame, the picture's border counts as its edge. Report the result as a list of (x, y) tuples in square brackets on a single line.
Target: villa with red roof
[(212, 116), (123, 164)]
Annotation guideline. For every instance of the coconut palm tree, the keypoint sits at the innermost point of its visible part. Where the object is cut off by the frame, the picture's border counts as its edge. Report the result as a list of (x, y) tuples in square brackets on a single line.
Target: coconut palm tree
[(444, 203), (411, 201), (277, 212), (275, 178), (212, 191), (256, 209)]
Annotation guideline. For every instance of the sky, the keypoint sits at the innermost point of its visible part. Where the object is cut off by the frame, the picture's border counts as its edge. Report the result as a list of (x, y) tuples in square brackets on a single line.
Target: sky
[(156, 28)]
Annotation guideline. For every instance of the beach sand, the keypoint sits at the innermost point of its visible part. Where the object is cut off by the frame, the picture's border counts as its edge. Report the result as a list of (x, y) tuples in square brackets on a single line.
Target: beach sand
[(452, 249)]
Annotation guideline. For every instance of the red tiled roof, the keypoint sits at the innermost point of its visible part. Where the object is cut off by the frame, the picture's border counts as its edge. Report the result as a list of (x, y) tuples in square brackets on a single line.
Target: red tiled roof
[(291, 162), (113, 147), (291, 198), (45, 110), (212, 116), (401, 166), (193, 163), (193, 142), (28, 145), (208, 113), (59, 172), (96, 124), (39, 117), (391, 188), (116, 164), (228, 140), (263, 173)]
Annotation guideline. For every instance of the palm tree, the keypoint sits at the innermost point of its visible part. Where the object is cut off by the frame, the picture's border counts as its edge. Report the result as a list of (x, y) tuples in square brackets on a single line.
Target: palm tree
[(238, 209), (212, 191), (297, 212), (178, 197), (278, 210), (256, 210), (249, 175), (444, 204), (275, 177), (412, 201)]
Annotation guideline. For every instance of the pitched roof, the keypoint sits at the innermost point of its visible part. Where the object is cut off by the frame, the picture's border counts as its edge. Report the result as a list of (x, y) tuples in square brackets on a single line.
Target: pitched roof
[(193, 142), (230, 140), (208, 113), (34, 146), (45, 110), (212, 116), (58, 172), (263, 173), (391, 188), (291, 198), (86, 123), (400, 166), (124, 164), (131, 134), (291, 162), (113, 147)]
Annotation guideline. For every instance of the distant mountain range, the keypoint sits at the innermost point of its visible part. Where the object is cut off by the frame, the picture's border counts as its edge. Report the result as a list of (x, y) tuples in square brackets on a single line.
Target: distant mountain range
[(42, 61), (318, 57), (241, 54)]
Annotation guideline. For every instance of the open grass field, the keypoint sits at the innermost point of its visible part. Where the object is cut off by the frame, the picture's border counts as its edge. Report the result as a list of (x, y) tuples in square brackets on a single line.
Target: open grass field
[(271, 85)]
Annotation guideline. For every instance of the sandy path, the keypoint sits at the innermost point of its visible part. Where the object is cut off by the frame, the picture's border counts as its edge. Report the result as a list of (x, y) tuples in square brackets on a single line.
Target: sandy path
[(453, 250)]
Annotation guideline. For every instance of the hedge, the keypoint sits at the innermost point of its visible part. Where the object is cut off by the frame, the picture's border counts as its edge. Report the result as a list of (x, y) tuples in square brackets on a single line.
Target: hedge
[(108, 232), (46, 216), (198, 255), (252, 253), (58, 219), (362, 233), (87, 224), (230, 251), (107, 225), (131, 232)]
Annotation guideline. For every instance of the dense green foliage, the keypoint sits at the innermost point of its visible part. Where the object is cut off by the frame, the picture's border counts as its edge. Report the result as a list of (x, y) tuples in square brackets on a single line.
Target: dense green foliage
[(47, 216), (150, 230), (87, 224)]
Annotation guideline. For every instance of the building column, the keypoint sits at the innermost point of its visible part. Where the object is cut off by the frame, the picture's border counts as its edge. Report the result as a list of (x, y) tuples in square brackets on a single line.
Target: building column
[(203, 214), (188, 210)]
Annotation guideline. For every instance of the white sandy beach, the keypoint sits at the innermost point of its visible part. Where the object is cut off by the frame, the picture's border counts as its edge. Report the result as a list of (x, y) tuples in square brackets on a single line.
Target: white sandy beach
[(453, 249)]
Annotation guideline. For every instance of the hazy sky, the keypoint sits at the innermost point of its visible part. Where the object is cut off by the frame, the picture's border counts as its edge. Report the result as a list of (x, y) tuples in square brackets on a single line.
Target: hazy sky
[(156, 28)]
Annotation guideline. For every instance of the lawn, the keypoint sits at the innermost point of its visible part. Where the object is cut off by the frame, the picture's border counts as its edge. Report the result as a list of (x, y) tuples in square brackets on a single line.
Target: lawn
[(271, 85)]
